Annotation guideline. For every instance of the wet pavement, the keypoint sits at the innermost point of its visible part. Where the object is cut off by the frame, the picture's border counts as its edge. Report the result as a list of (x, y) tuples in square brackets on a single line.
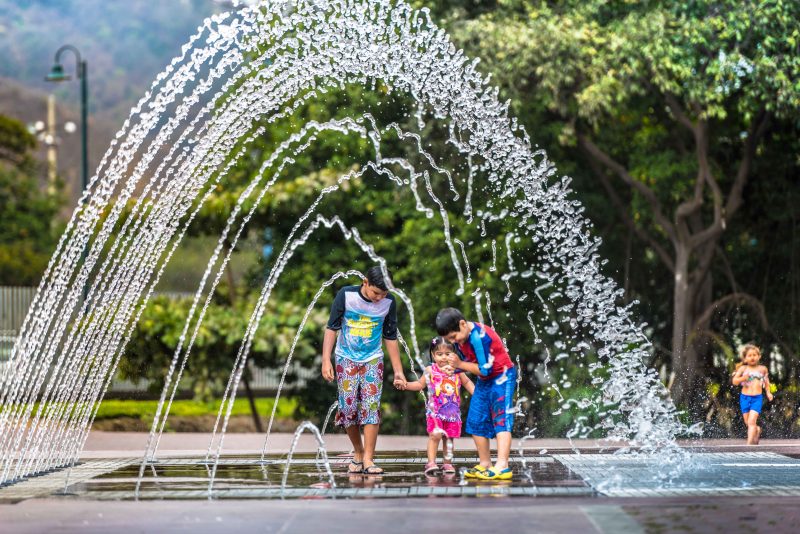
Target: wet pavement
[(726, 488), (307, 477)]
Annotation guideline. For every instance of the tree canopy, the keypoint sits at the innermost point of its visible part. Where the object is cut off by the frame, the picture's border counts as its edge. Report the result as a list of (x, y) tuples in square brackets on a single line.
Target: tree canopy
[(673, 111)]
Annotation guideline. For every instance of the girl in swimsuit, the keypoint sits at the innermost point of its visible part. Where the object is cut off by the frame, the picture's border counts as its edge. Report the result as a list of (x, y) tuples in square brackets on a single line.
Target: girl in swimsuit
[(443, 411), (755, 382)]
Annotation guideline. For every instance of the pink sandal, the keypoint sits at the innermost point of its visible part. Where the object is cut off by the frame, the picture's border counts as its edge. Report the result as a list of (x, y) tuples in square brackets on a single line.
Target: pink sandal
[(431, 469), (448, 469)]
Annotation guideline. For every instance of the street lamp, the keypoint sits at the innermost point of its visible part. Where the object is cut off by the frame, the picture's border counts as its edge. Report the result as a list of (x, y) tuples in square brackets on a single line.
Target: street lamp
[(57, 75)]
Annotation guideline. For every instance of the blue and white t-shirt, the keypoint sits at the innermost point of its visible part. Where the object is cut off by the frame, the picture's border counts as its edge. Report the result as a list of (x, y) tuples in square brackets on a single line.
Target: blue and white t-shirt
[(362, 323)]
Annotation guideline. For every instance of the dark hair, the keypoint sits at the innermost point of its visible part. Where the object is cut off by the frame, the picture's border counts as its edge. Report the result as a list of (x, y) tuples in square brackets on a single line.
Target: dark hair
[(447, 320), (375, 277), (437, 342)]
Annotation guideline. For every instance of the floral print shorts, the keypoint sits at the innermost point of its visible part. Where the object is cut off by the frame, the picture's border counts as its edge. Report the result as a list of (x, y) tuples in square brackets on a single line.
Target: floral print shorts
[(360, 386)]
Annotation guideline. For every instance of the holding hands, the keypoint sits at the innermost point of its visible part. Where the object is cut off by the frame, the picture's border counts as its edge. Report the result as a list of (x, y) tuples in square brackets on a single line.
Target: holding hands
[(400, 381)]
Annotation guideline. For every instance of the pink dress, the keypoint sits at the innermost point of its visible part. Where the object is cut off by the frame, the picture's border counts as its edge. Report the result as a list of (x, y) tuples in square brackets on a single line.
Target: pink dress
[(444, 402)]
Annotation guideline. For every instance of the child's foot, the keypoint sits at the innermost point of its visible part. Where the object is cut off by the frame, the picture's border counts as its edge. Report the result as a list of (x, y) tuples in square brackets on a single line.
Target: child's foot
[(758, 434), (372, 470), (473, 472), (496, 474), (355, 467), (448, 469), (431, 469)]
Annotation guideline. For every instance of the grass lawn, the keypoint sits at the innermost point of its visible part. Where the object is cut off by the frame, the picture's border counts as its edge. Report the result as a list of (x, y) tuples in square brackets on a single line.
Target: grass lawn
[(146, 409)]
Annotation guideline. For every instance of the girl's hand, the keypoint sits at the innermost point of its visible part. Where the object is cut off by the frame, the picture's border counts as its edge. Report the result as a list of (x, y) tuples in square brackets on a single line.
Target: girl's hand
[(769, 396)]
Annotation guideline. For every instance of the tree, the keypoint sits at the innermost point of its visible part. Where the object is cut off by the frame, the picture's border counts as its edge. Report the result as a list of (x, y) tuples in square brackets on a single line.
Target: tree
[(28, 227), (671, 106), (157, 335)]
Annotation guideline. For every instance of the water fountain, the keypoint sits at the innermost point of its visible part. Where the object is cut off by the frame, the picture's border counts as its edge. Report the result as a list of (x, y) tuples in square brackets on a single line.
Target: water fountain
[(257, 65)]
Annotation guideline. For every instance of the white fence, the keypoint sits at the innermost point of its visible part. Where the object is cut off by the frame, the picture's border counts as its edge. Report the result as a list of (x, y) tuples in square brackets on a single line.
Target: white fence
[(14, 304)]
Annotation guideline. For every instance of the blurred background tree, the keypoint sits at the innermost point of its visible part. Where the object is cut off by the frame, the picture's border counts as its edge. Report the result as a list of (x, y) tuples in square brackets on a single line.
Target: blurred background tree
[(29, 230)]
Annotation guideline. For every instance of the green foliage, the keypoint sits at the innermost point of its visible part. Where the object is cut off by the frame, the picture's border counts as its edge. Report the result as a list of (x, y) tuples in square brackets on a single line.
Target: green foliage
[(28, 230), (158, 332), (593, 59), (15, 142)]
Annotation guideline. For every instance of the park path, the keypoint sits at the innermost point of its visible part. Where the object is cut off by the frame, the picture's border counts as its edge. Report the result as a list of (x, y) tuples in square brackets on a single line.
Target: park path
[(401, 516), (102, 444)]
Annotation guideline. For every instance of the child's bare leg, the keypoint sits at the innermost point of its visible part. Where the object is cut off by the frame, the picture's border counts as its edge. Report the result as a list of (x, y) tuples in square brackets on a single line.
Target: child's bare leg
[(484, 452), (752, 428), (354, 433), (433, 446), (448, 449), (746, 418), (503, 450), (754, 418), (370, 441)]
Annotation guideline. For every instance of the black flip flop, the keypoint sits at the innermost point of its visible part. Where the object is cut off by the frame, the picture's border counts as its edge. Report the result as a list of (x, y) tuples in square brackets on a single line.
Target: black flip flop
[(372, 470), (357, 471)]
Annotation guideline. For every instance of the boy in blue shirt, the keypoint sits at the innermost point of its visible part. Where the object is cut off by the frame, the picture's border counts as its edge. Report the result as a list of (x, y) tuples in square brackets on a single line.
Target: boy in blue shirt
[(491, 409), (360, 317)]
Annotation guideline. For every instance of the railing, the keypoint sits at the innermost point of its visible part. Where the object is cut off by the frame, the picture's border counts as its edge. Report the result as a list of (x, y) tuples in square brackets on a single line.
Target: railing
[(14, 304)]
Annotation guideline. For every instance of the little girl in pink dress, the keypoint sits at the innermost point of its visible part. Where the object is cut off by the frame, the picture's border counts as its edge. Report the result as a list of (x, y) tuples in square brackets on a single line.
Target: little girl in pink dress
[(443, 410)]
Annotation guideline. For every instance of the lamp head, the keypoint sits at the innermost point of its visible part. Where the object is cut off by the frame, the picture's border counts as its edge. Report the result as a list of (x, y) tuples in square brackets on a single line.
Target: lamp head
[(57, 74)]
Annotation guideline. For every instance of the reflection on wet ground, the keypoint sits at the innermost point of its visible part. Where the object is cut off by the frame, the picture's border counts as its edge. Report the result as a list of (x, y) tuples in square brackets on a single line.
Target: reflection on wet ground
[(403, 476), (540, 473)]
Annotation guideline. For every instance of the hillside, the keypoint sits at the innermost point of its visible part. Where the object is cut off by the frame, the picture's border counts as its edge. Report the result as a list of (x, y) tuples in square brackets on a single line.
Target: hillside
[(126, 43)]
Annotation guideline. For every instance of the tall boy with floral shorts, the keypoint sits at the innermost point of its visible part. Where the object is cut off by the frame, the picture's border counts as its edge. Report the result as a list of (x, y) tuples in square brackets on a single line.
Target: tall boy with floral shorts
[(491, 409), (360, 317)]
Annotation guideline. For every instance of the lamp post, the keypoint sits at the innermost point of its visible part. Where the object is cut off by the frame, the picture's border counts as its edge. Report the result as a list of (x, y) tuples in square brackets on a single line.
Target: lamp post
[(57, 75)]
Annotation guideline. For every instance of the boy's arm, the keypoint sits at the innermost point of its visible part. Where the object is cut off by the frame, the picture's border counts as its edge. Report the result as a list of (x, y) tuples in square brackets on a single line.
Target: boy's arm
[(469, 385), (469, 367), (484, 367), (390, 338), (328, 341), (327, 347), (397, 366)]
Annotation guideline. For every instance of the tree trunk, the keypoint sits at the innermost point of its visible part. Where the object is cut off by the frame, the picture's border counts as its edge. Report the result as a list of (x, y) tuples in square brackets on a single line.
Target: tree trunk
[(252, 400), (684, 366), (248, 391), (690, 235)]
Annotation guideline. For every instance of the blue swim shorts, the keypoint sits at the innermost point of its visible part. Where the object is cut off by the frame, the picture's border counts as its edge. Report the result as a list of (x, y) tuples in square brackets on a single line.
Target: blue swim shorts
[(491, 408), (750, 403)]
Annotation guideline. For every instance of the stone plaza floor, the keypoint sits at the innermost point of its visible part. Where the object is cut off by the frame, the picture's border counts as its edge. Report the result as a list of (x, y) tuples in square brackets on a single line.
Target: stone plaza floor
[(727, 488)]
